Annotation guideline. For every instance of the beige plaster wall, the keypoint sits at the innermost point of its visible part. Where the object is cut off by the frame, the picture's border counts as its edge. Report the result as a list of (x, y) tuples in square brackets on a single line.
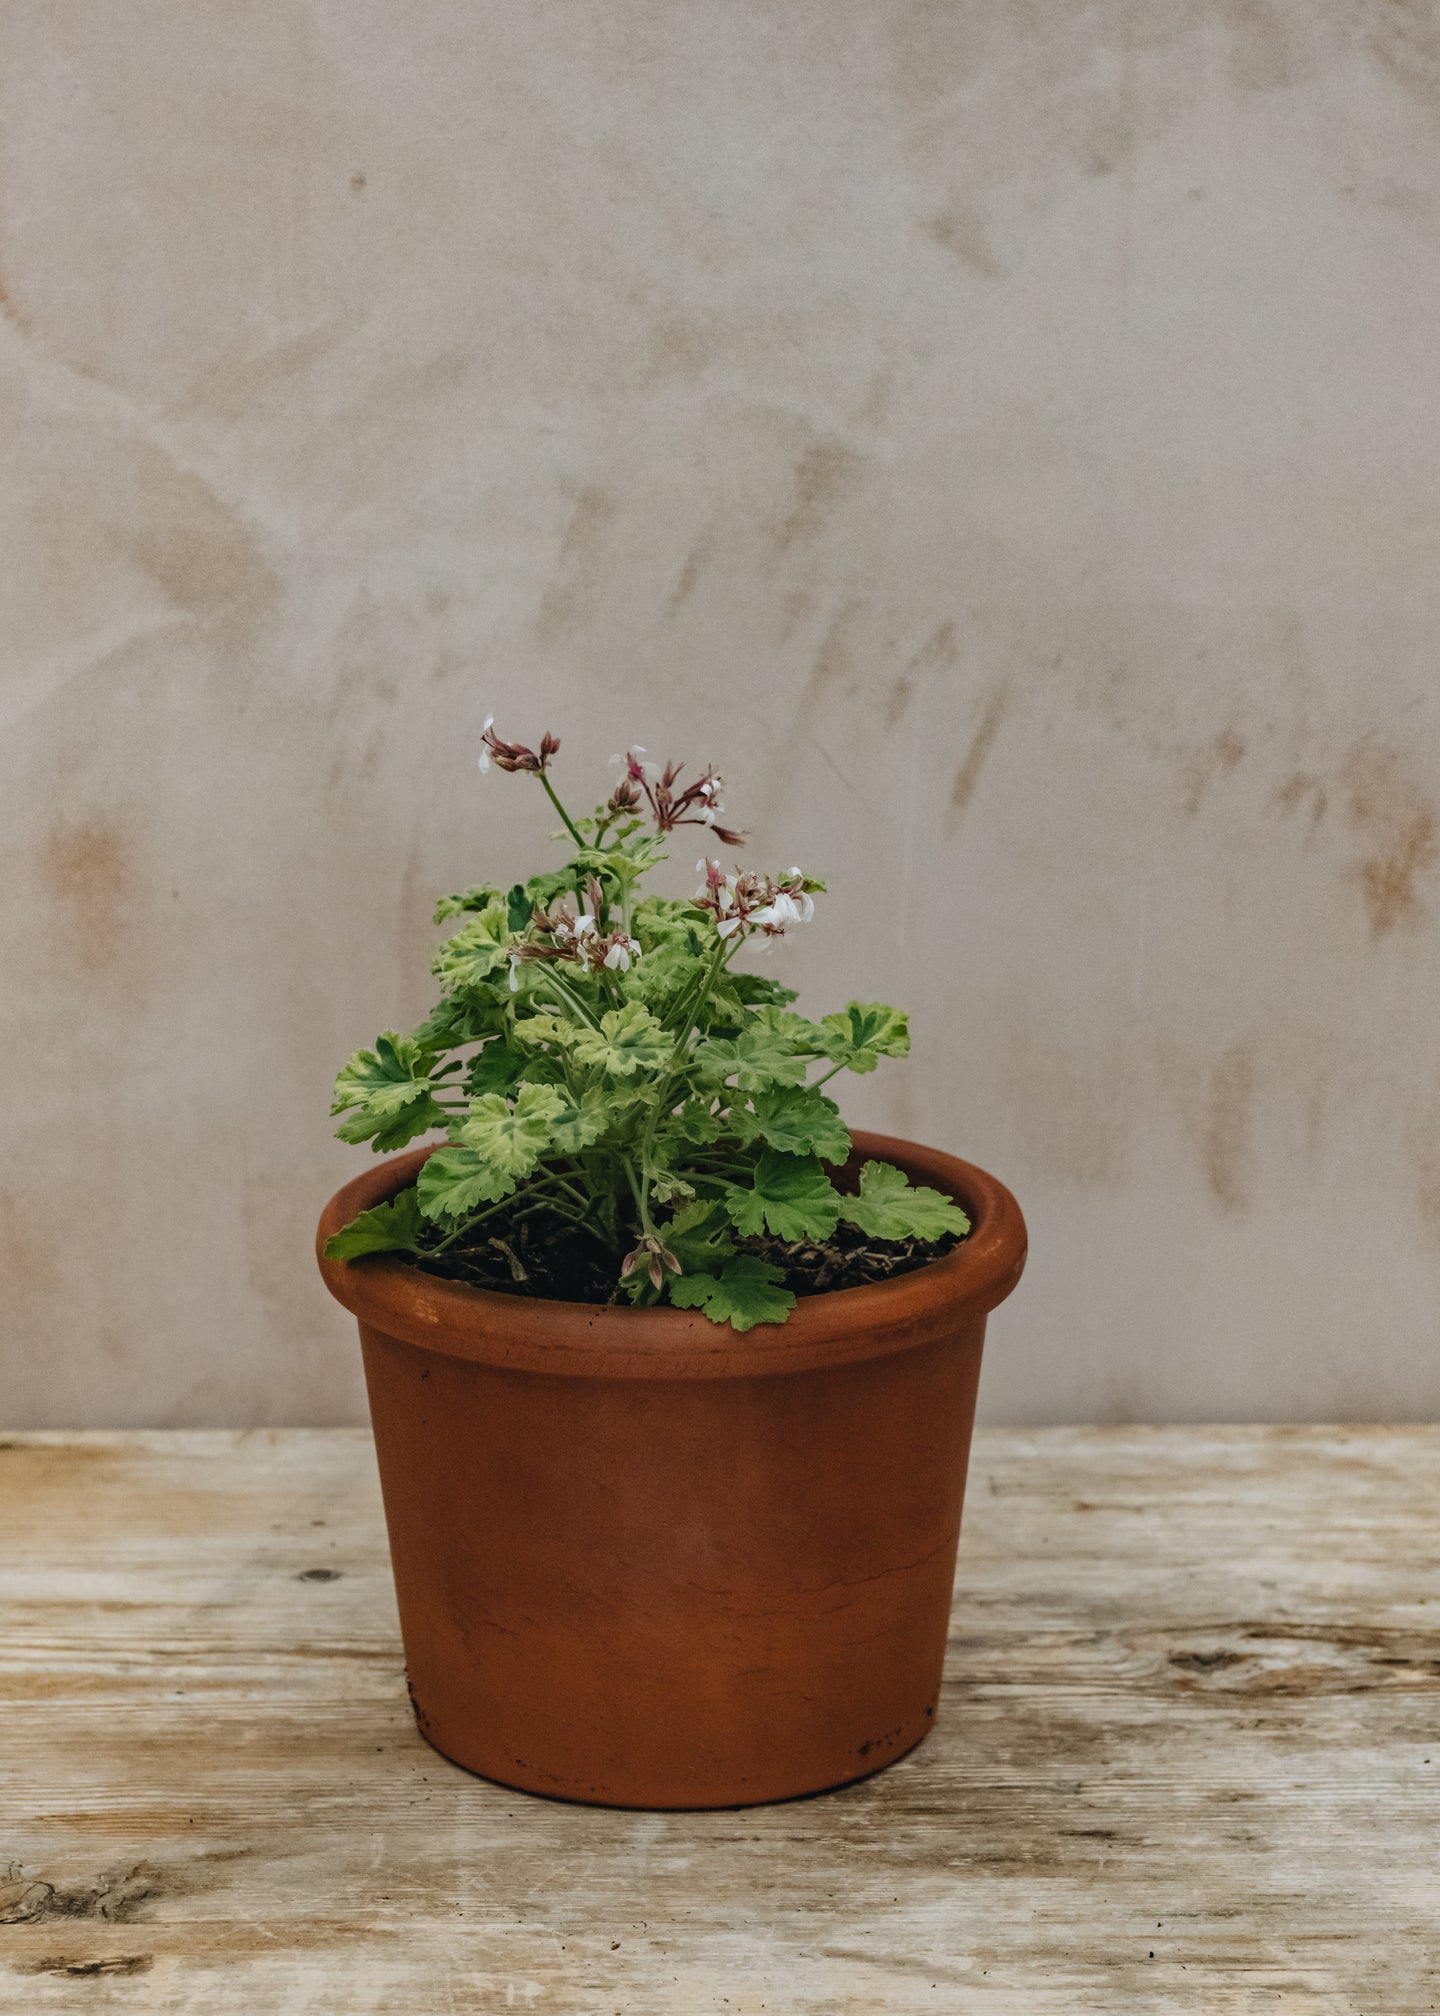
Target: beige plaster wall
[(1005, 437)]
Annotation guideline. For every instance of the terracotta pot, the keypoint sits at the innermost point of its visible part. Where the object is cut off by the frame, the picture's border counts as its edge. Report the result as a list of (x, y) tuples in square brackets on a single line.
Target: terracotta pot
[(643, 1561)]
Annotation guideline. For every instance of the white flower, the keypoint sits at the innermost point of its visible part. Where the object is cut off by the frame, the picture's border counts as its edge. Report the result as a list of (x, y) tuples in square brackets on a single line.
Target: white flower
[(514, 976), (783, 910), (618, 957), (727, 926), (585, 924), (484, 752)]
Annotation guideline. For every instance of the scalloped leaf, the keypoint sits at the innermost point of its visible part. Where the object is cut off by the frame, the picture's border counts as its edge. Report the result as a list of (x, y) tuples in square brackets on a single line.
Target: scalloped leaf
[(391, 1090), (745, 1292), (578, 1124), (694, 1124), (542, 1027), (864, 1032), (496, 1068), (798, 1119), (628, 1040), (385, 1228), (455, 1181), (699, 1236), (457, 1019), (792, 1197), (476, 897), (474, 952), (388, 1131), (771, 1049), (520, 901), (386, 1079), (890, 1206), (512, 1138), (626, 864)]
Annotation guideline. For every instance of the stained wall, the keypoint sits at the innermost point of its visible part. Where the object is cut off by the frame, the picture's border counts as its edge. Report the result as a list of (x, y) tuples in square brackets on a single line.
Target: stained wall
[(1006, 438)]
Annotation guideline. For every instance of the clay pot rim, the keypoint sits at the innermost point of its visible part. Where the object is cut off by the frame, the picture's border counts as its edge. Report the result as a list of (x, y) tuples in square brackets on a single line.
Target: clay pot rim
[(595, 1340)]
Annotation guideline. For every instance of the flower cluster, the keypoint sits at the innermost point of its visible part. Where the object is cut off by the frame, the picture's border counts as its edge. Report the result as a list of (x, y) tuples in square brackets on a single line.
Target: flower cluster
[(655, 1257), (564, 932), (514, 755), (699, 804), (750, 902)]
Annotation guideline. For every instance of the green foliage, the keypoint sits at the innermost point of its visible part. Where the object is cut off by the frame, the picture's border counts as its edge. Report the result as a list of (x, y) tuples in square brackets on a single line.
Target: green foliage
[(791, 1197), (387, 1228), (773, 1048), (890, 1206), (628, 1040), (385, 1077), (455, 1021), (756, 991), (798, 1119), (699, 1236), (745, 1292), (599, 1054), (476, 897), (388, 1094), (863, 1034), (499, 1067), (582, 1122), (511, 1138), (472, 955), (522, 900), (624, 861), (454, 1182)]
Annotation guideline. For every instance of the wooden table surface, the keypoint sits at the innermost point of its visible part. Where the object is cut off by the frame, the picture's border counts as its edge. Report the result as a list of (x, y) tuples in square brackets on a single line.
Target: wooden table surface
[(1188, 1758)]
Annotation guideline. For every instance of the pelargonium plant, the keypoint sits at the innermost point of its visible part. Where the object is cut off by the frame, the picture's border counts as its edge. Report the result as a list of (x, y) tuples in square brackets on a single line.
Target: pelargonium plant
[(607, 1070)]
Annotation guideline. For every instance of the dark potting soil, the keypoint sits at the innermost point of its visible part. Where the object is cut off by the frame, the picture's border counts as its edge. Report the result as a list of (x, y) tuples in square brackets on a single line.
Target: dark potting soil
[(547, 1256)]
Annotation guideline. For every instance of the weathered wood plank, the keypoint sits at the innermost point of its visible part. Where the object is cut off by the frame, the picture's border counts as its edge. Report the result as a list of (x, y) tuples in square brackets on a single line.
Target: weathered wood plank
[(1188, 1758)]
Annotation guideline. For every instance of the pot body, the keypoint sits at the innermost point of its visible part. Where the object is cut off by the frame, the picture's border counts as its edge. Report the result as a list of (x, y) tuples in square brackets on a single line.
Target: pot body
[(671, 1569)]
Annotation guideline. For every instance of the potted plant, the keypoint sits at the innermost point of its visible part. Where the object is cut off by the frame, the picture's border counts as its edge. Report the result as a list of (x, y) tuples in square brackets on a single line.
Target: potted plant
[(672, 1377)]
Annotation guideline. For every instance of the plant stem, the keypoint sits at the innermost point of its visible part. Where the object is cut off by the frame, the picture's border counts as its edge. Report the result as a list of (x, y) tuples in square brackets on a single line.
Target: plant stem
[(569, 1188), (570, 826), (573, 999), (509, 1204), (696, 988), (662, 1104), (639, 1189), (707, 981)]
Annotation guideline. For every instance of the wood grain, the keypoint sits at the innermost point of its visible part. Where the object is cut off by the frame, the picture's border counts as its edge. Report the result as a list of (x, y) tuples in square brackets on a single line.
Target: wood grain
[(1188, 1758)]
